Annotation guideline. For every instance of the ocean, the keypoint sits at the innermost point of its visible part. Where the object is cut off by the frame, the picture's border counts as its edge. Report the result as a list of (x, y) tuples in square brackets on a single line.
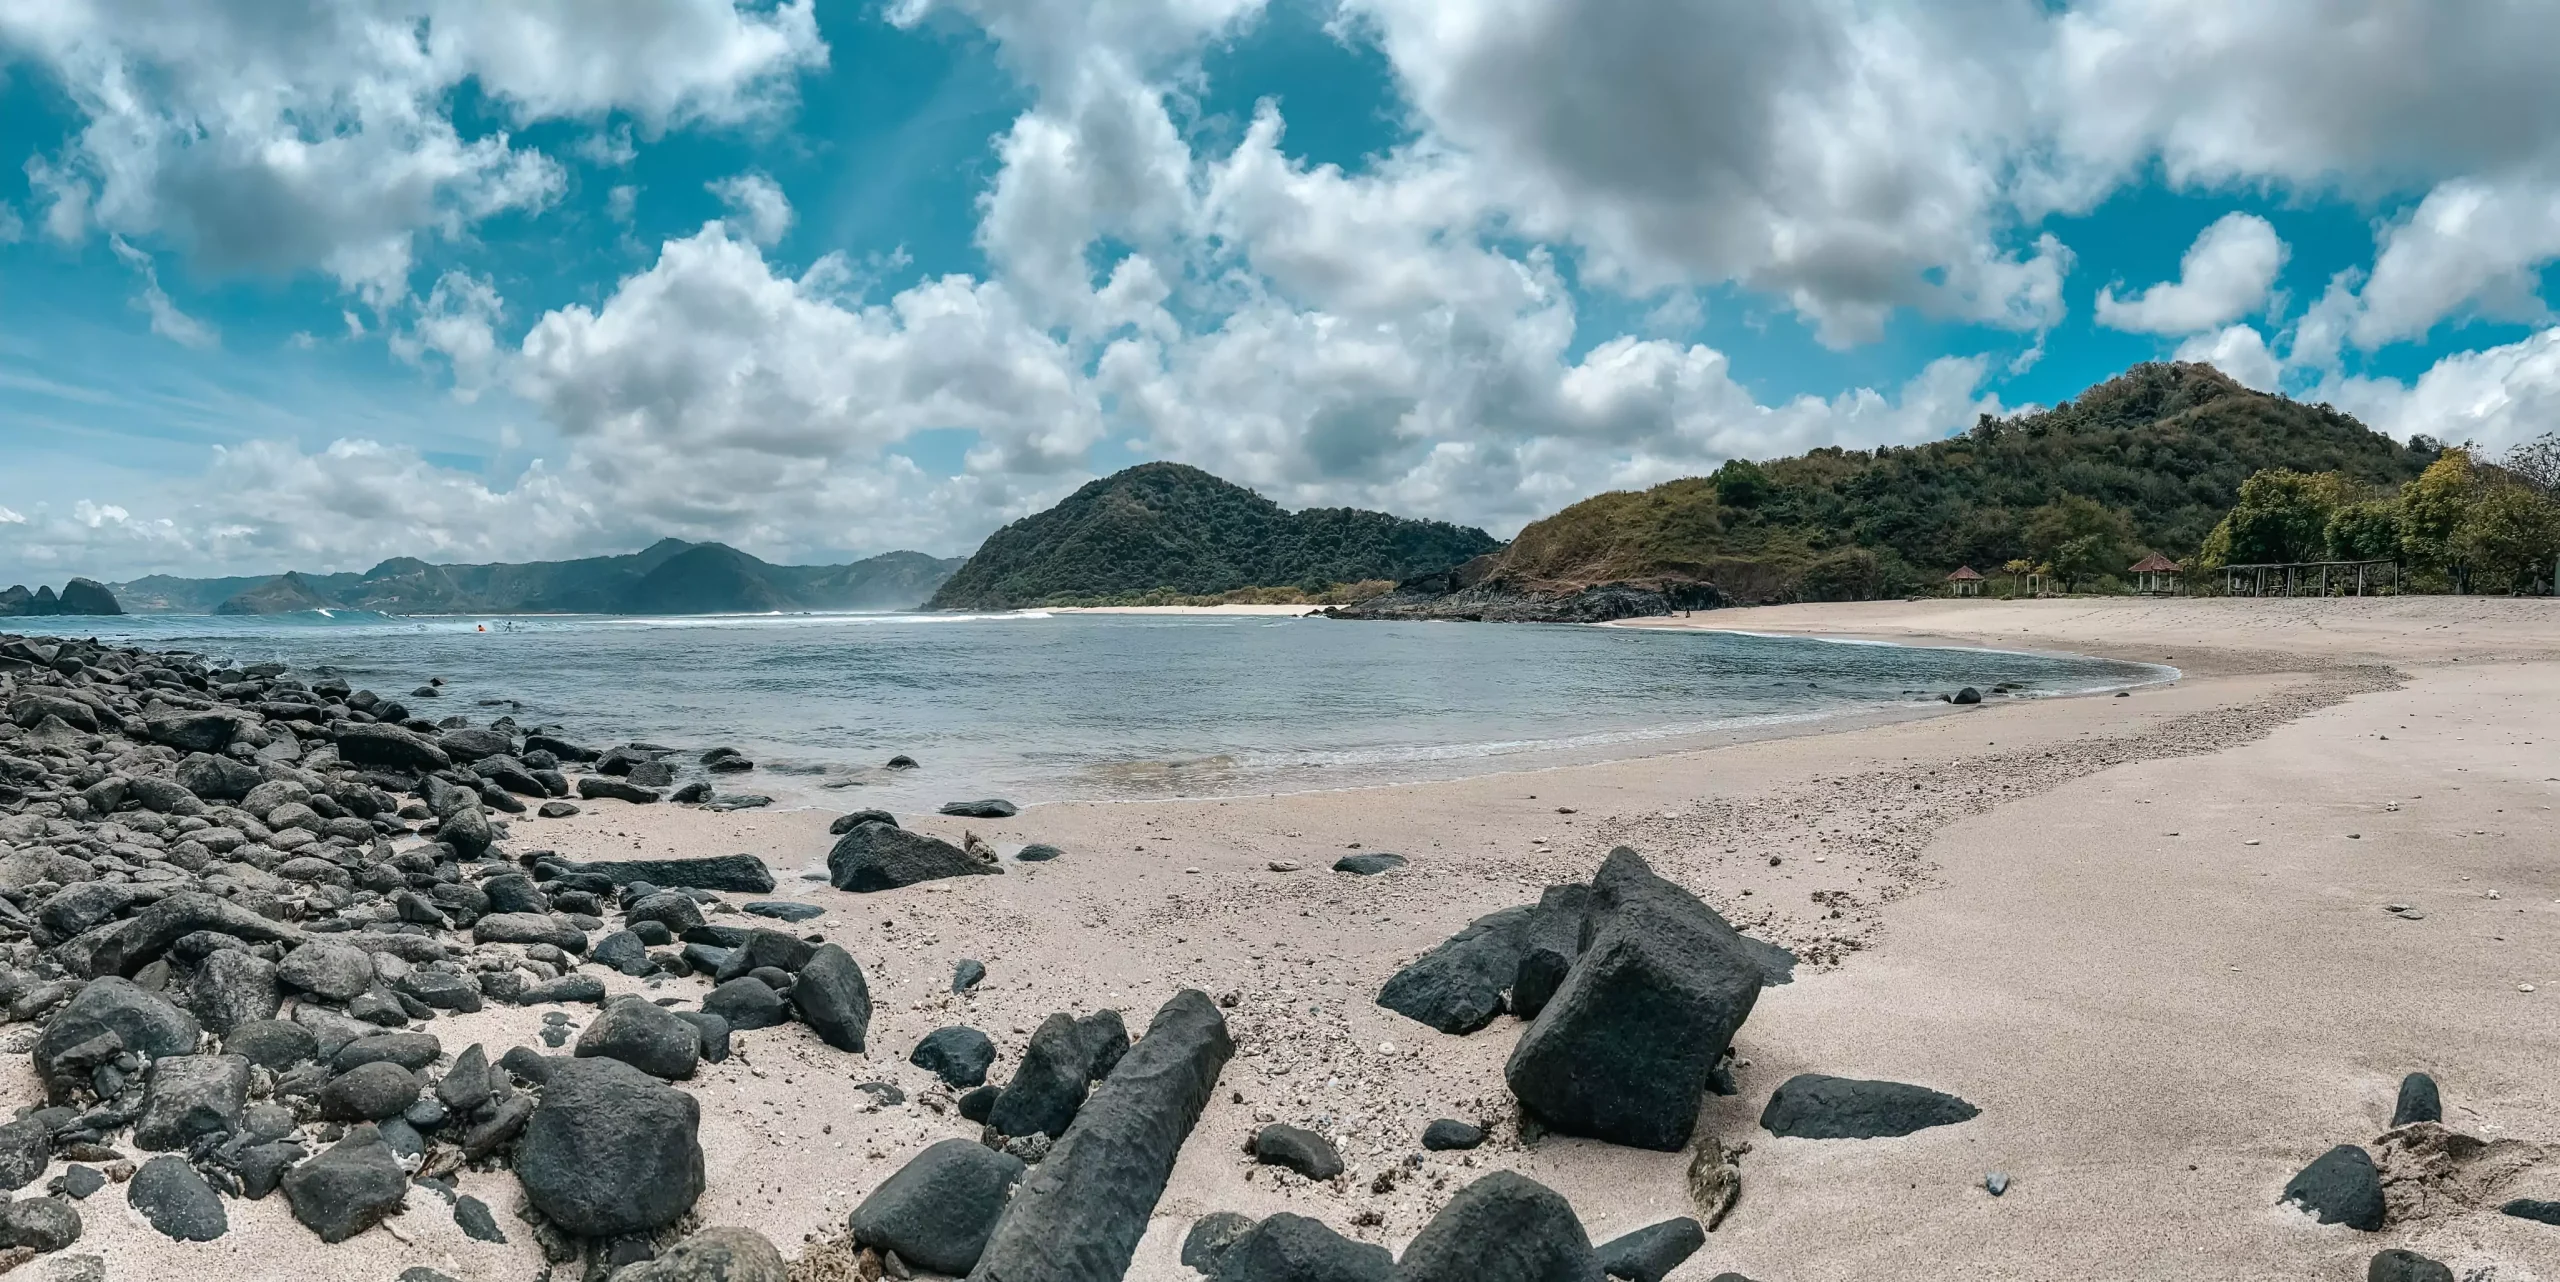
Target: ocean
[(1036, 707)]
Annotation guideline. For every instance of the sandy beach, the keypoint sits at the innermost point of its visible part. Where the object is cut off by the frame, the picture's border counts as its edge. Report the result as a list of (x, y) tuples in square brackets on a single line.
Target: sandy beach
[(2146, 935)]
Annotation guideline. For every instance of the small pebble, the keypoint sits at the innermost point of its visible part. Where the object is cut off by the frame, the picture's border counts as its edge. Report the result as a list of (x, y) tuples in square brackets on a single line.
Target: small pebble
[(1996, 1182)]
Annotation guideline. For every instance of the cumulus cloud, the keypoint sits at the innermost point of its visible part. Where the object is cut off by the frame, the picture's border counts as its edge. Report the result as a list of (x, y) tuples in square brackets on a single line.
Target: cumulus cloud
[(2495, 397), (2225, 275), (756, 204), (267, 138), (1847, 158), (2239, 351), (458, 322)]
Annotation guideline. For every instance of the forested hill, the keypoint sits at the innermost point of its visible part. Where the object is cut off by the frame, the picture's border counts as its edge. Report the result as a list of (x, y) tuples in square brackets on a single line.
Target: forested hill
[(2146, 461), (669, 577), (1167, 526)]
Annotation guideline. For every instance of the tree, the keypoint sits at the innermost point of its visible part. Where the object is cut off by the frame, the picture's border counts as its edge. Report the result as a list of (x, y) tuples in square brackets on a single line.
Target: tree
[(2366, 531), (2080, 537), (2536, 462), (1741, 483), (2432, 511), (2282, 516), (2509, 536)]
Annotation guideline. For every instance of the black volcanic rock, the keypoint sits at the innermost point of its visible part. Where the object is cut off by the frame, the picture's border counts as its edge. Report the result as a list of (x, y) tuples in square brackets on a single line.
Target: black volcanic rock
[(875, 856)]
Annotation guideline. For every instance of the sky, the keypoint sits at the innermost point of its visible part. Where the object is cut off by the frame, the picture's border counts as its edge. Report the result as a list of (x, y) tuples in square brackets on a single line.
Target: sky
[(297, 284)]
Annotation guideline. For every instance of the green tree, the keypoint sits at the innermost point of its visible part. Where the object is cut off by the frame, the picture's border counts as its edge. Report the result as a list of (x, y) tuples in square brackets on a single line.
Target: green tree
[(2080, 538), (1741, 483), (2509, 537), (2282, 515), (2366, 531), (2432, 511)]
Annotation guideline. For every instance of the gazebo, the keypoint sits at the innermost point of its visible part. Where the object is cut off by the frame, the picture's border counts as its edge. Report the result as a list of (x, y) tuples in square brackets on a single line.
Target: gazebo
[(1964, 582), (2155, 575)]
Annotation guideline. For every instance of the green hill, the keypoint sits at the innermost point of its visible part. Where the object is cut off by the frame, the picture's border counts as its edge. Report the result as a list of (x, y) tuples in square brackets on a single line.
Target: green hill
[(669, 577), (1167, 526), (2147, 461)]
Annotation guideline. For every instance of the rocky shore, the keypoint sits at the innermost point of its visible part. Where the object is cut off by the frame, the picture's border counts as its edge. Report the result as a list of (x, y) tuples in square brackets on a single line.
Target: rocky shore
[(240, 902)]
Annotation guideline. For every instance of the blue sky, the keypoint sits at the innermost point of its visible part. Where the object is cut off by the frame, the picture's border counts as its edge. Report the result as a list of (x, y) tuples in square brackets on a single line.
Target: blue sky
[(308, 285)]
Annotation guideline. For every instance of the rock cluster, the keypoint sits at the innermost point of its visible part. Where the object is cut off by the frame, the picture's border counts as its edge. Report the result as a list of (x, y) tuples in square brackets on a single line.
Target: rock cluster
[(236, 900)]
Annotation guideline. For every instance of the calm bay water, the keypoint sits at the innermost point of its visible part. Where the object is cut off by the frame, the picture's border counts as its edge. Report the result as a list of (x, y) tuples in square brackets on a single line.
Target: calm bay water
[(1042, 708)]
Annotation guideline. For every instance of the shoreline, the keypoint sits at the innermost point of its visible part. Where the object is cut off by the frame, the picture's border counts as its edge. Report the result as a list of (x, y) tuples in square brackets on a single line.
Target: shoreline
[(2135, 932)]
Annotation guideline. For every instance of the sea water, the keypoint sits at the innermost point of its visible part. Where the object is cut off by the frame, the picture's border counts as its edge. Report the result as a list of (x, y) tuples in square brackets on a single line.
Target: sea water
[(1036, 707)]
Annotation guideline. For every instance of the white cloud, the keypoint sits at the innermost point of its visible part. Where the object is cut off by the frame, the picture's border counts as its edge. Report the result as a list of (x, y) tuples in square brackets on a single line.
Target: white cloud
[(756, 205), (272, 139), (621, 202), (1848, 158), (2469, 247), (2309, 95), (12, 228), (166, 320), (2225, 275), (8, 517), (2495, 397), (459, 323), (2239, 351)]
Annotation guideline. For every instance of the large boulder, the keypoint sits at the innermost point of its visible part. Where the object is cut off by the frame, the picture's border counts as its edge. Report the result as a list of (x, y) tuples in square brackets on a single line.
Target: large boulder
[(187, 1097), (125, 947), (390, 747), (1079, 1214), (175, 1200), (877, 856), (142, 1021), (369, 1093), (645, 1035), (831, 998), (234, 987), (194, 731), (939, 1208), (1505, 1227), (350, 1187), (1458, 986), (712, 1255), (213, 778), (1293, 1248), (529, 928), (610, 1150), (2340, 1186), (1811, 1106), (742, 874), (1625, 1049), (39, 1224), (1049, 1085), (471, 743), (26, 1148), (328, 970)]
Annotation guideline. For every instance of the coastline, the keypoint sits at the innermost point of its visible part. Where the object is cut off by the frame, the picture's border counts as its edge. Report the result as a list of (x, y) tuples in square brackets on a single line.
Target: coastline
[(2135, 931)]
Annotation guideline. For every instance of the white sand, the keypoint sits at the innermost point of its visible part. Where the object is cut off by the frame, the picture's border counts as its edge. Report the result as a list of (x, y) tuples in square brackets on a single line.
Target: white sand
[(2160, 1028)]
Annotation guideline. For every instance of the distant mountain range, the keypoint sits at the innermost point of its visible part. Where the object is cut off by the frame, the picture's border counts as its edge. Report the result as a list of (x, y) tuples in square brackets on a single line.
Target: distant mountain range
[(670, 577), (1164, 526)]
